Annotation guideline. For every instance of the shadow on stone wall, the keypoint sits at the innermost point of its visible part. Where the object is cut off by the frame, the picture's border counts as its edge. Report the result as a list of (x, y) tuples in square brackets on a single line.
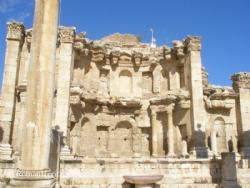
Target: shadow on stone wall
[(199, 143), (1, 134), (246, 139), (55, 149)]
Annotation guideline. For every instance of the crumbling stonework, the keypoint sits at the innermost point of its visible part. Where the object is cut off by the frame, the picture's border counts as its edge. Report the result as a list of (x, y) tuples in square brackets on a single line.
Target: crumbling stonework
[(119, 108)]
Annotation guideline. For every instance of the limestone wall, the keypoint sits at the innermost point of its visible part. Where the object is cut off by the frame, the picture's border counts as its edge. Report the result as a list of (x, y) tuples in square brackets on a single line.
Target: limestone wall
[(118, 98)]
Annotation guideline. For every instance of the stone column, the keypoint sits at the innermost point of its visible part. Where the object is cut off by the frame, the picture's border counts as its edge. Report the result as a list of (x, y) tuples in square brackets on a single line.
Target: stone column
[(15, 35), (214, 142), (40, 93), (241, 85), (65, 67), (40, 89), (154, 134), (171, 152), (197, 112)]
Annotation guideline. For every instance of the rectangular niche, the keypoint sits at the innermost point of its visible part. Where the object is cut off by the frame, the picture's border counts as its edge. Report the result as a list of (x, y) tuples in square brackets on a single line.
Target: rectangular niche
[(147, 82)]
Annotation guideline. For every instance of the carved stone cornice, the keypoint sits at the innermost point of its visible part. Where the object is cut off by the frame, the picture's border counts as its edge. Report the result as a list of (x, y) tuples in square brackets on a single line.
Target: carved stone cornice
[(98, 54), (75, 97), (15, 31), (168, 99), (219, 93), (241, 80), (125, 103), (193, 43), (167, 53), (114, 57), (137, 57), (178, 49), (162, 108), (66, 35), (219, 104), (80, 44)]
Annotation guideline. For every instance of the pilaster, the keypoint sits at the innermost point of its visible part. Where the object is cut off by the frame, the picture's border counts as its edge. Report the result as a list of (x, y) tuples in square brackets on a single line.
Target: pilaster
[(65, 66), (198, 116), (241, 85), (15, 35)]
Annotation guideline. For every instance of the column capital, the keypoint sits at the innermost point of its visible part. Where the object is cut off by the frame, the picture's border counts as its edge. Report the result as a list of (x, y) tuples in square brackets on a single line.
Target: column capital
[(67, 34), (170, 108), (193, 43), (15, 31), (153, 110), (241, 80)]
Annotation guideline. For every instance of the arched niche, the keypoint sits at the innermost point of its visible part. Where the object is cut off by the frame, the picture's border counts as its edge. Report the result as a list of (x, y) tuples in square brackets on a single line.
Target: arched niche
[(220, 130), (121, 139), (125, 83)]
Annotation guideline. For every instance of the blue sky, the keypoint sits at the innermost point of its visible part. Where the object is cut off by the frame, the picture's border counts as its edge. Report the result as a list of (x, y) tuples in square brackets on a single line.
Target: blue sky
[(224, 26)]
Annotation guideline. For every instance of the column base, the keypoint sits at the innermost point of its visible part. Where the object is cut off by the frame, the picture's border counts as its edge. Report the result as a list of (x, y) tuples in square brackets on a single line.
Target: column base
[(5, 152), (33, 179), (171, 155), (212, 155), (185, 156), (245, 152)]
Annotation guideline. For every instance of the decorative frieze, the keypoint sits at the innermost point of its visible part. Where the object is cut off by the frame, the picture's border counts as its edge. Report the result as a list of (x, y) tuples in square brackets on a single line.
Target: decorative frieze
[(115, 56), (178, 49), (137, 56), (15, 31), (98, 54), (167, 53)]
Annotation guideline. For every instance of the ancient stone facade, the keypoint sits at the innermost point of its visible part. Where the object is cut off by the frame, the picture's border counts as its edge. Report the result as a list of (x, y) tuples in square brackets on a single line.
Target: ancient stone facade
[(123, 108)]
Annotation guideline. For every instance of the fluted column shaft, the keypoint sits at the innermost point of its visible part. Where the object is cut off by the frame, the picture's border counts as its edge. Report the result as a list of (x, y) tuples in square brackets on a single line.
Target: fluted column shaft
[(15, 35)]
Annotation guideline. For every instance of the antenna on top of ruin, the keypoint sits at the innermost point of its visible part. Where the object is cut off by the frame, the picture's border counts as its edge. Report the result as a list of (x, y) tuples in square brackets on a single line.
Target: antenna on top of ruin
[(153, 40)]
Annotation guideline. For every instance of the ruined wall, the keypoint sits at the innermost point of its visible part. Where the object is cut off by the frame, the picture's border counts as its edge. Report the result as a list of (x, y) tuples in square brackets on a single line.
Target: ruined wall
[(124, 107)]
